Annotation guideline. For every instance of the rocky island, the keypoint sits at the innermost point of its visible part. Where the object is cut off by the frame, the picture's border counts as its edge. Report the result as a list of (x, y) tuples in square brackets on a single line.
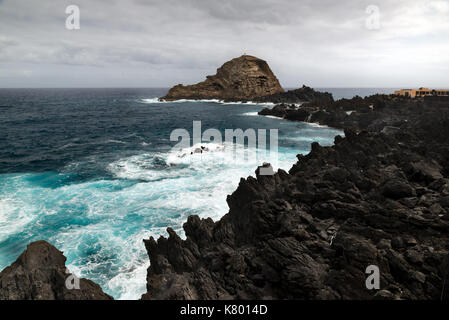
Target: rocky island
[(240, 79)]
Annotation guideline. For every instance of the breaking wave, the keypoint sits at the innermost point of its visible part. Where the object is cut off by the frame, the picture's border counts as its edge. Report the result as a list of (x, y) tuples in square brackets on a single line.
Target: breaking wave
[(156, 100)]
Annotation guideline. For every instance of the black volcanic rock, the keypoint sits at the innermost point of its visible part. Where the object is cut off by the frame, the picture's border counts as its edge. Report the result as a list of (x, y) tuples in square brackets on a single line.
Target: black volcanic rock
[(372, 113), (397, 189), (240, 79), (371, 199), (277, 111), (303, 94), (40, 274)]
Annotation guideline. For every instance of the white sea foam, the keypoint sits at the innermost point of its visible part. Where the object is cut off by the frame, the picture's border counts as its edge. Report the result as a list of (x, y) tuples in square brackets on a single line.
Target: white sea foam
[(115, 141), (251, 114), (151, 100), (204, 178), (156, 100), (197, 159), (273, 117), (139, 167), (131, 266), (316, 125), (14, 216)]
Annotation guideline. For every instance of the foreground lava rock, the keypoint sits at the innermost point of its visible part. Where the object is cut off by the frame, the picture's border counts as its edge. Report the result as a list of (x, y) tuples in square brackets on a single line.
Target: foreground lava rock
[(374, 198), (240, 79), (40, 274)]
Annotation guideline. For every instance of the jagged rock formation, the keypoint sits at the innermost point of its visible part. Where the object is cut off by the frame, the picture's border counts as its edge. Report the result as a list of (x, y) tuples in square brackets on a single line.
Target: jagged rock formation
[(374, 198), (372, 113), (303, 94), (240, 79), (40, 274)]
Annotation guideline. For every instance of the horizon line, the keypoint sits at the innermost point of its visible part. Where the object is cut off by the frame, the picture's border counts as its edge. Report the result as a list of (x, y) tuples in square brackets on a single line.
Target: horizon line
[(288, 88)]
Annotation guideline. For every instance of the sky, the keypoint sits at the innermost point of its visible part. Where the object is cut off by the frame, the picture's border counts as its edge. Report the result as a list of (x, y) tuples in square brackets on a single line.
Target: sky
[(160, 43)]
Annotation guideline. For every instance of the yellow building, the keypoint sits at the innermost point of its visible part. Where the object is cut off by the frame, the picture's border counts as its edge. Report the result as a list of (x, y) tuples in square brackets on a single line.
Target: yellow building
[(422, 92)]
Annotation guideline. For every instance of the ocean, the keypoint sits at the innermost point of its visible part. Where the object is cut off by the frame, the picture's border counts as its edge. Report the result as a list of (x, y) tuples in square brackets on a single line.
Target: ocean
[(94, 172)]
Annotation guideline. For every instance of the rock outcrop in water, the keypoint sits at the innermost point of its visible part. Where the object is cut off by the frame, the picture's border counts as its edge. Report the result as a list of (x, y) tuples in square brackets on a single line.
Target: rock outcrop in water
[(303, 94), (40, 274), (240, 79), (374, 198)]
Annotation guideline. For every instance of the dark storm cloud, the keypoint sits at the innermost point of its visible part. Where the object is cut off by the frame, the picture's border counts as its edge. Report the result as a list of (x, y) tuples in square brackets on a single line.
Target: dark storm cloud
[(163, 42)]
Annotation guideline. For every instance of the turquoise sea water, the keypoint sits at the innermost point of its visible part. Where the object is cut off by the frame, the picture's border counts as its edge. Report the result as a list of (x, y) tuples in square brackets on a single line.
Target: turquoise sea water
[(93, 172)]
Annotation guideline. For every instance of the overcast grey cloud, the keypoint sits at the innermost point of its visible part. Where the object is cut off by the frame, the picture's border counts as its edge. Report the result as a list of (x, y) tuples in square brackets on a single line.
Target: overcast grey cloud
[(161, 43)]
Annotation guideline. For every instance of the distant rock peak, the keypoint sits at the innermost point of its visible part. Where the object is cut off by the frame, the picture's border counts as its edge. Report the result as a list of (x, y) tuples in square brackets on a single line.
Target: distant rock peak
[(241, 79)]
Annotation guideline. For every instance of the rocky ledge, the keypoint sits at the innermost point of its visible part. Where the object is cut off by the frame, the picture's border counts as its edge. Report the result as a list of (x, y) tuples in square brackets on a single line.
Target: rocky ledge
[(373, 113), (374, 198), (40, 274), (241, 79), (303, 94)]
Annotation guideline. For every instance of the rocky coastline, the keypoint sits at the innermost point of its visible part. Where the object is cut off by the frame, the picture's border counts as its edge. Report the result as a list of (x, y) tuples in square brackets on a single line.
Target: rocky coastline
[(373, 113), (379, 196)]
